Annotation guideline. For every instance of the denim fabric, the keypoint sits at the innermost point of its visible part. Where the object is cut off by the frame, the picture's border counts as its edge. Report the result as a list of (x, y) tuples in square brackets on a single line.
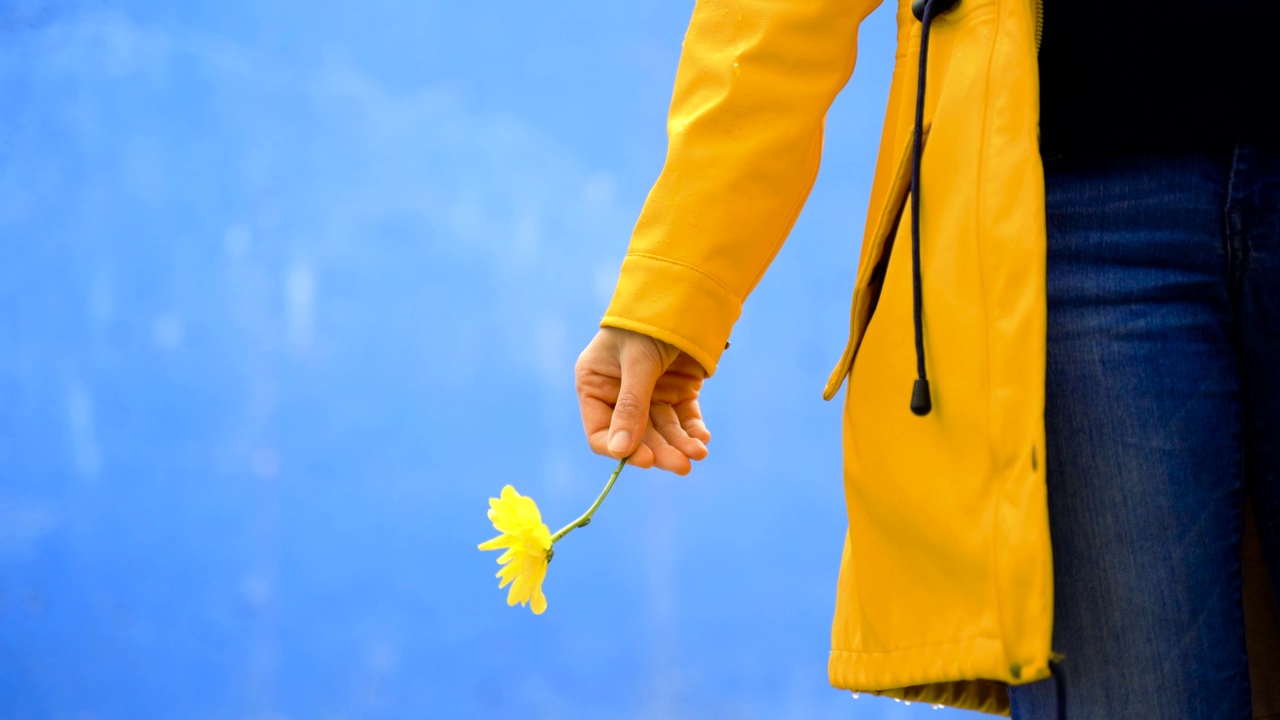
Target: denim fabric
[(1162, 408)]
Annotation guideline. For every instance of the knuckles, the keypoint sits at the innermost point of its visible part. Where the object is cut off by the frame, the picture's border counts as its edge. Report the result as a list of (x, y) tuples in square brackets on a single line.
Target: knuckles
[(629, 407)]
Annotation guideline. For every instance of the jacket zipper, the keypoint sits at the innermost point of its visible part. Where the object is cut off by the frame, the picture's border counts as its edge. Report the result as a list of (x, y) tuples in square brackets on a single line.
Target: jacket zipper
[(1039, 24)]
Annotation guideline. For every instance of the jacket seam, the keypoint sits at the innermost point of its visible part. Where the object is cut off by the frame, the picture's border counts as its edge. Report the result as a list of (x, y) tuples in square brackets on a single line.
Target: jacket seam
[(986, 324), (687, 266)]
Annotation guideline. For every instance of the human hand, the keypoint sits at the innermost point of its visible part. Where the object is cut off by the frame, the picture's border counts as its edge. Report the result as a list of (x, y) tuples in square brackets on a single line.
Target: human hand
[(639, 397)]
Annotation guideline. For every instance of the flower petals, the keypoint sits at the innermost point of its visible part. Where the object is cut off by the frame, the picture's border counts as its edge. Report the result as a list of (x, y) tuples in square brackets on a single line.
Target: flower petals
[(527, 544)]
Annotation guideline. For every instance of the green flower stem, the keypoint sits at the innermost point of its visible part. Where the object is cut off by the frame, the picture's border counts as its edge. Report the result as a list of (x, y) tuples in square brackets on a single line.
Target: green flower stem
[(586, 517)]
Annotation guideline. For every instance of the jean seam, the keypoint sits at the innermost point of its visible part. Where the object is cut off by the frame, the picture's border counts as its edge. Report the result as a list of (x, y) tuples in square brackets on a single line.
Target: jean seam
[(1232, 227)]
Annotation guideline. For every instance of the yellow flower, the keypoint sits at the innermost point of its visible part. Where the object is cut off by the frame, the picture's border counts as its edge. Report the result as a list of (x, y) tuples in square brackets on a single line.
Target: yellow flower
[(528, 543)]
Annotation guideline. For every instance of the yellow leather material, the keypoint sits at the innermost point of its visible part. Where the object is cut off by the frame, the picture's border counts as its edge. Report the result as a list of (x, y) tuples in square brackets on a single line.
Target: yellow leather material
[(945, 592)]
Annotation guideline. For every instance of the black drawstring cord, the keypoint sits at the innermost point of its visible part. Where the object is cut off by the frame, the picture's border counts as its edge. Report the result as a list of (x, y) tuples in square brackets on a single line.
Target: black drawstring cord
[(925, 11)]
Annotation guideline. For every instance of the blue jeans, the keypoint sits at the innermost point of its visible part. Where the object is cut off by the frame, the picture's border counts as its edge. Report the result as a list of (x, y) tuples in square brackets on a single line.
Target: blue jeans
[(1162, 410)]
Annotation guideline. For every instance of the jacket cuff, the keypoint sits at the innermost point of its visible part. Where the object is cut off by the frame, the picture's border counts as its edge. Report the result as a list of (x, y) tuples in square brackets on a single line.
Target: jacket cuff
[(675, 303)]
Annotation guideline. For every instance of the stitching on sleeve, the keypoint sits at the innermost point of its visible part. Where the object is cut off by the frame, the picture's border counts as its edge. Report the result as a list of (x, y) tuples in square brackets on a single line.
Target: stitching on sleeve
[(687, 266)]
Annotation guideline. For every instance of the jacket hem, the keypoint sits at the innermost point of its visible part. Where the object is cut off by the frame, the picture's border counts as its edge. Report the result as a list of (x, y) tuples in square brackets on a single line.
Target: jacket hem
[(970, 674)]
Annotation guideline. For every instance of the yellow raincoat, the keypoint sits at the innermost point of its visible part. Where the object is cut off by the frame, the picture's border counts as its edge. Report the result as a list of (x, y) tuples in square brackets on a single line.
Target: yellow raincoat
[(945, 592)]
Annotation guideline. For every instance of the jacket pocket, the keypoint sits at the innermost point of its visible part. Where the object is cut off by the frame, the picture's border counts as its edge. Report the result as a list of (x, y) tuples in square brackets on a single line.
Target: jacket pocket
[(874, 263)]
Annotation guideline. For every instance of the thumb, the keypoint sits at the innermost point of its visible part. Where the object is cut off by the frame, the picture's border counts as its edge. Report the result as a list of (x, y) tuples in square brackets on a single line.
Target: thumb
[(641, 368)]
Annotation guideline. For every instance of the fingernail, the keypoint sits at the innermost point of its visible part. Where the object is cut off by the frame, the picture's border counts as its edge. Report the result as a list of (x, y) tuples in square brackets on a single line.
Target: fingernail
[(620, 441)]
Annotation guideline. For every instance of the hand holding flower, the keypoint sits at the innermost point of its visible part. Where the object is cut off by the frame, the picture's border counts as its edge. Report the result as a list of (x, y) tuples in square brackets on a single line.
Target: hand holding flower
[(528, 542)]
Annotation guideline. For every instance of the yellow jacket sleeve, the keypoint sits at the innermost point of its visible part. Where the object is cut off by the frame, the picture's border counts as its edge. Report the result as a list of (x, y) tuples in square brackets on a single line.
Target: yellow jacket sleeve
[(744, 140)]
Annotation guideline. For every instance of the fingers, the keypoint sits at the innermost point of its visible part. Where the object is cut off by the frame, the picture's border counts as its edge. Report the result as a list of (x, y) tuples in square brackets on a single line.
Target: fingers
[(690, 416), (682, 381), (666, 423), (665, 444), (666, 457), (641, 366), (595, 401), (643, 457), (673, 388), (638, 399)]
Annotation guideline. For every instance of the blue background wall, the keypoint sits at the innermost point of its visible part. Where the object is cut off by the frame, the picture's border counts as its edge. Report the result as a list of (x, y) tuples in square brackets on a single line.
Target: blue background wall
[(289, 289)]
